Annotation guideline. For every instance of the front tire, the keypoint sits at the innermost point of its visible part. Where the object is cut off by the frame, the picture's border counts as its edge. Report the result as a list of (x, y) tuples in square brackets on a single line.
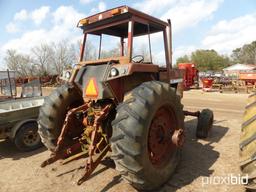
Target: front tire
[(151, 108), (53, 112), (204, 124)]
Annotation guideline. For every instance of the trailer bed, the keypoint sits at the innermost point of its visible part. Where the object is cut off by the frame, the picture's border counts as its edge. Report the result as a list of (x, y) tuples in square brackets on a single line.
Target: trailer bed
[(16, 110)]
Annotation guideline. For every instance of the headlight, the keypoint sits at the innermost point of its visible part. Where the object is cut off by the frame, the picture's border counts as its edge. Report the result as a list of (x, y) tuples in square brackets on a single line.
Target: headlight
[(113, 72), (67, 74)]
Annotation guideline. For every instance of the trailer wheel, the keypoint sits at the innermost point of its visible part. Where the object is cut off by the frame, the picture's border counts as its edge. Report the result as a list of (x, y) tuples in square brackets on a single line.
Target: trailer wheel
[(27, 137), (247, 144), (204, 124), (141, 143), (53, 112)]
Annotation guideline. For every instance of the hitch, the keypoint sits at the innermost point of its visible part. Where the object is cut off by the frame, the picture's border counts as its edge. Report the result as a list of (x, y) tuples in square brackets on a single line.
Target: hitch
[(76, 148), (91, 164), (92, 143), (59, 153)]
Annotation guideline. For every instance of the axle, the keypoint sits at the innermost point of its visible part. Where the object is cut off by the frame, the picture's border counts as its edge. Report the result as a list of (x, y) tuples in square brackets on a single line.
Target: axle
[(189, 113)]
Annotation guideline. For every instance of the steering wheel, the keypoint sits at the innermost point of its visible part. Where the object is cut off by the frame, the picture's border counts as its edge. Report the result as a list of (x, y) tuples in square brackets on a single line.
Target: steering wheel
[(138, 60)]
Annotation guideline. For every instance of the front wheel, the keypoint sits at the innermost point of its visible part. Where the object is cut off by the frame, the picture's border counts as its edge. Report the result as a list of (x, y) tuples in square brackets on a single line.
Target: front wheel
[(204, 124), (27, 137), (142, 146)]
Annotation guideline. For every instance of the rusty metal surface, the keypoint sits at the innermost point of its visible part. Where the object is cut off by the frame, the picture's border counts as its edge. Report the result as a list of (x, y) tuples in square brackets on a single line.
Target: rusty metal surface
[(69, 151), (143, 68), (82, 48), (189, 113), (164, 135), (178, 137), (92, 163), (92, 143), (175, 75), (190, 74), (68, 124), (160, 145), (114, 22), (61, 151), (101, 61), (127, 27), (124, 10)]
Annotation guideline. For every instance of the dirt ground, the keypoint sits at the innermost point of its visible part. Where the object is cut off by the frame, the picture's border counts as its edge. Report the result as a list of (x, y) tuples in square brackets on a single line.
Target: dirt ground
[(201, 159)]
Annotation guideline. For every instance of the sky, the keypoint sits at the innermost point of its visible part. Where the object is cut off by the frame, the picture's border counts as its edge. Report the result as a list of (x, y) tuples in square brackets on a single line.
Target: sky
[(222, 25)]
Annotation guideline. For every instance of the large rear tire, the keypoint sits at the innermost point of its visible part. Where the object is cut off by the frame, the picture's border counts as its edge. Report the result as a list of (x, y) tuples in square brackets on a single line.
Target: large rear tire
[(53, 112), (248, 143), (141, 142)]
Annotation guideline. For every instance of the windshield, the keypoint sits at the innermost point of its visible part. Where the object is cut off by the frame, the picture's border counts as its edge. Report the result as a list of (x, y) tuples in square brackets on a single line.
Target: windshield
[(112, 42), (104, 46)]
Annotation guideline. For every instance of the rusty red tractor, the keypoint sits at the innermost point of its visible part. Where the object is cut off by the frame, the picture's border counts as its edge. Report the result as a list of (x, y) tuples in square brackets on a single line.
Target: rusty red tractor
[(122, 106)]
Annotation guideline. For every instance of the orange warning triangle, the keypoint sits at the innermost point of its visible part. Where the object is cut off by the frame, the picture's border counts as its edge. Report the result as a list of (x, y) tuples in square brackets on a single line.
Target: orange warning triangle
[(91, 89)]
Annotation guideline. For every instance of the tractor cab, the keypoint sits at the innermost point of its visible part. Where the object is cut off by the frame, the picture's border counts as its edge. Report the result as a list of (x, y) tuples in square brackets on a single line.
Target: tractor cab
[(120, 27), (124, 23)]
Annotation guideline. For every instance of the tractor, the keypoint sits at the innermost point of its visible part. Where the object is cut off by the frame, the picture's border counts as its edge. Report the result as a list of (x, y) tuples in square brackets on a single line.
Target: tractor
[(124, 106)]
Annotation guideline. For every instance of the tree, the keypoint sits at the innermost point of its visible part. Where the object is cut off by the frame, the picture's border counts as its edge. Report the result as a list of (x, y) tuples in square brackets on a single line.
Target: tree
[(63, 55), (20, 63), (209, 60), (144, 51), (245, 54), (45, 59), (183, 59), (111, 52), (42, 58), (90, 52), (236, 56), (206, 60)]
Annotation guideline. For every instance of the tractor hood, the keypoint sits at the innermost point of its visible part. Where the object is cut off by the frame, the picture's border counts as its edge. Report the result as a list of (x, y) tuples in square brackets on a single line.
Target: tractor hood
[(91, 80), (96, 81)]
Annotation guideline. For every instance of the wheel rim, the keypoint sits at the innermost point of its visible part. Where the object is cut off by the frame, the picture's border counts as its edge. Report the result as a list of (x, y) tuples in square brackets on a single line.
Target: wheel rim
[(160, 146), (31, 137)]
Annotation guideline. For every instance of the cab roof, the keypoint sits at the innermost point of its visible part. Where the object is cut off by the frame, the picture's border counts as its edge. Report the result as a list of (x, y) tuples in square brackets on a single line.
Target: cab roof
[(115, 22)]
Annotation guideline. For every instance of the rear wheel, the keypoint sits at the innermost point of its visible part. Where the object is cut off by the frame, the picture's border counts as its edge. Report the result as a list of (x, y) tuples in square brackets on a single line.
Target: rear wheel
[(53, 112), (27, 137), (248, 143), (141, 144)]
